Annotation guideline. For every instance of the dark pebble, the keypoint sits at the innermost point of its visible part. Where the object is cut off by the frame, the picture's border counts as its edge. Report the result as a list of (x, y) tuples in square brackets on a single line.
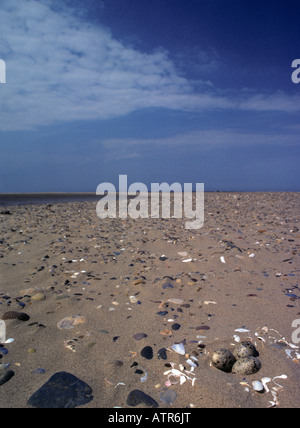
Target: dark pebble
[(137, 397), (162, 354), (5, 376), (12, 315), (202, 327), (147, 353), (162, 313), (139, 336), (62, 391), (176, 326)]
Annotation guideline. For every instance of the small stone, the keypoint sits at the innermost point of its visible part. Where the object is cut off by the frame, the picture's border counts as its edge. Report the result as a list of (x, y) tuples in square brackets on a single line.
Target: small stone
[(5, 376), (147, 353), (12, 315), (137, 397), (176, 326), (246, 366), (223, 360), (162, 354), (38, 297), (139, 336)]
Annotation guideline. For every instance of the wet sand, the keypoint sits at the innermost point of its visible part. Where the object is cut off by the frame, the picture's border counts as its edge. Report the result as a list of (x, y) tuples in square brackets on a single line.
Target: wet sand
[(60, 260)]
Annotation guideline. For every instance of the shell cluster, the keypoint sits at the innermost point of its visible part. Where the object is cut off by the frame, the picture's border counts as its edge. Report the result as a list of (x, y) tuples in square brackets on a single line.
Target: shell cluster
[(242, 361)]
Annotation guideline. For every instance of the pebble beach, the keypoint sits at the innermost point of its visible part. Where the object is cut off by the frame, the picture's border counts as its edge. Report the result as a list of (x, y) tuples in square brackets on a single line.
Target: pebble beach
[(127, 313)]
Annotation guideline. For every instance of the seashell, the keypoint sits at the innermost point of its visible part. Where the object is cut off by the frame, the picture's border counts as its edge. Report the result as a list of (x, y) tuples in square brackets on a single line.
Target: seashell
[(258, 386), (178, 348), (245, 349), (264, 381), (242, 330), (70, 322), (9, 341), (223, 360), (246, 366)]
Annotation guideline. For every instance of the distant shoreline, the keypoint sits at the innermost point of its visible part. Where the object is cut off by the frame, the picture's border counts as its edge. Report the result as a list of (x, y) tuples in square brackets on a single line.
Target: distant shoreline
[(11, 199)]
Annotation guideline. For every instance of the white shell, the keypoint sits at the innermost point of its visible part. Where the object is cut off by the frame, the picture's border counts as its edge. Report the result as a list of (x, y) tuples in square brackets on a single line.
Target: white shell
[(257, 386), (9, 341), (178, 348)]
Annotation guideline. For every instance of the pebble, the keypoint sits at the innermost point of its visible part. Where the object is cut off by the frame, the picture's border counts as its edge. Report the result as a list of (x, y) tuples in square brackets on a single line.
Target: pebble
[(162, 354), (12, 315), (139, 336), (38, 297), (147, 353), (246, 366), (5, 376), (137, 397), (223, 360), (62, 391)]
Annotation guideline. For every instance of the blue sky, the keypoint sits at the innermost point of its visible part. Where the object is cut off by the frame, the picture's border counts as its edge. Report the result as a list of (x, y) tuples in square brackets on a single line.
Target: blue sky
[(161, 90)]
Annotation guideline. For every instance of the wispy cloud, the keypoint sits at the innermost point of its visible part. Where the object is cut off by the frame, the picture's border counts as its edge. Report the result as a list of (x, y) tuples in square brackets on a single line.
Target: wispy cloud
[(62, 68)]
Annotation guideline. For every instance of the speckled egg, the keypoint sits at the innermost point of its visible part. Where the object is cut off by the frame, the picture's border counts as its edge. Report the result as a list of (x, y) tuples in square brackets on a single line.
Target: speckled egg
[(223, 360), (246, 366), (245, 349)]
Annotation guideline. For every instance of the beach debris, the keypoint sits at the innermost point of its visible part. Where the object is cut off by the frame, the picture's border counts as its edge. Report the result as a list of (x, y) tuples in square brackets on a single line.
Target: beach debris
[(258, 386), (180, 375), (62, 390), (70, 322), (246, 366), (222, 259), (178, 348), (223, 360)]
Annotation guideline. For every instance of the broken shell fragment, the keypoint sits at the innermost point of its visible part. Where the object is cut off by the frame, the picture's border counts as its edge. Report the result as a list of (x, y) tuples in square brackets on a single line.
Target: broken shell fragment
[(246, 366), (178, 348), (223, 360)]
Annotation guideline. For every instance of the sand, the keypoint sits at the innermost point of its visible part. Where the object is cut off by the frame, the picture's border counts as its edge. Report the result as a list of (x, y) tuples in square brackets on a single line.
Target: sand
[(61, 260)]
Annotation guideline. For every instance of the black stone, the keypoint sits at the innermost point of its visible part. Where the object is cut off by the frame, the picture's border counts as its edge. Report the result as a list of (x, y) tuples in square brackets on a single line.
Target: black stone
[(147, 353), (5, 376), (162, 354), (62, 391), (137, 397)]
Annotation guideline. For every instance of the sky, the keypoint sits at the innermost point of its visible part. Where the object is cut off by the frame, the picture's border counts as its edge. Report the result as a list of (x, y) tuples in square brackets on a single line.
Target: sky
[(187, 91)]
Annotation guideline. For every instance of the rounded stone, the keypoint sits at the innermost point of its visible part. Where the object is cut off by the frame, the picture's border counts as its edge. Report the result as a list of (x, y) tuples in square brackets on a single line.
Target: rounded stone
[(147, 353), (246, 366), (223, 360), (245, 349)]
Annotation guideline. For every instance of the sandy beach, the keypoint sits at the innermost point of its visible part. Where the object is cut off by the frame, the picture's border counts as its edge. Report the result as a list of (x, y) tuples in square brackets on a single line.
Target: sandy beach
[(106, 300)]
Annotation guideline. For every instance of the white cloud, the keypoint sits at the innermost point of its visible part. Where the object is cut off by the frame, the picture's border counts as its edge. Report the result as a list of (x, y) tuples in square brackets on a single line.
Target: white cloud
[(61, 68)]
